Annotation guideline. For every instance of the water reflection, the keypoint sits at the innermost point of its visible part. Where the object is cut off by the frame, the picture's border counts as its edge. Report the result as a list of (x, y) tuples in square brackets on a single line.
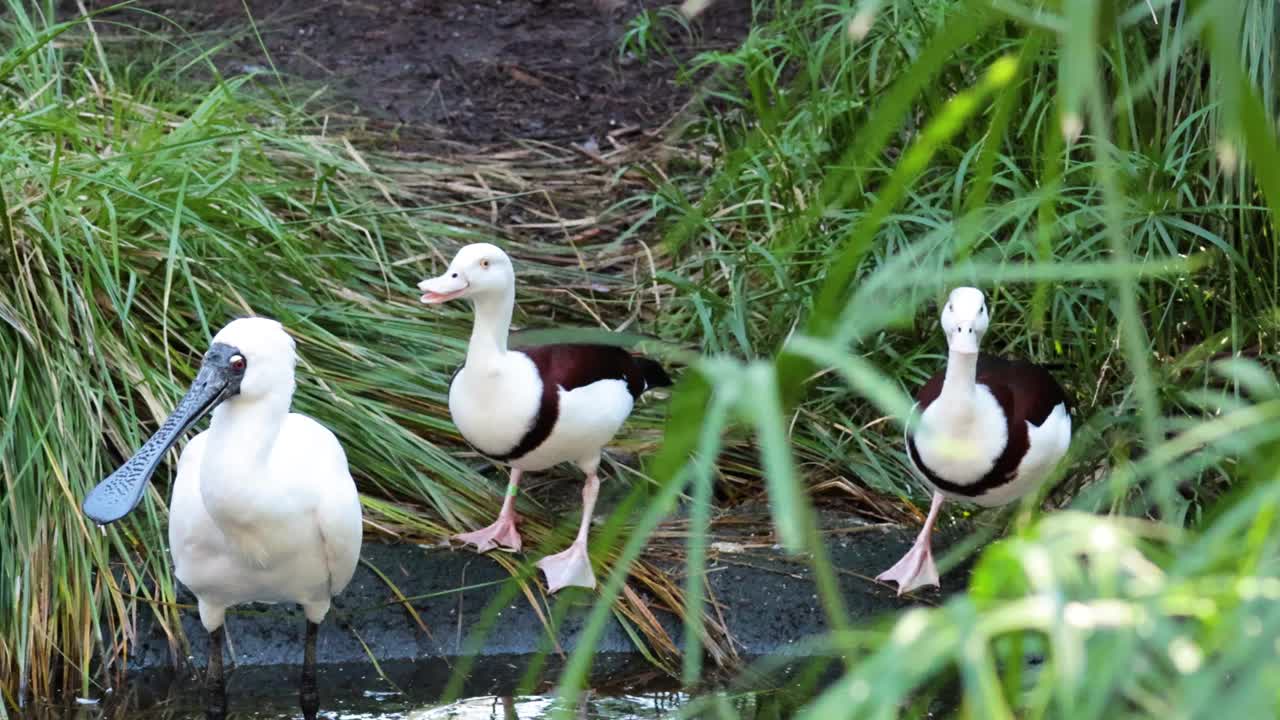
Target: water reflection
[(494, 707), (622, 689)]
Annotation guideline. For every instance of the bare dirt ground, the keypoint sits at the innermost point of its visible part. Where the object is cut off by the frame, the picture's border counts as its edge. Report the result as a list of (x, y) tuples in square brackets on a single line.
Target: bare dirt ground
[(474, 72)]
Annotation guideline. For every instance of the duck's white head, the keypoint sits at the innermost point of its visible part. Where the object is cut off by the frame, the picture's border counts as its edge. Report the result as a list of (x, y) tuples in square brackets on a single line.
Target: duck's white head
[(479, 270), (261, 352), (965, 319)]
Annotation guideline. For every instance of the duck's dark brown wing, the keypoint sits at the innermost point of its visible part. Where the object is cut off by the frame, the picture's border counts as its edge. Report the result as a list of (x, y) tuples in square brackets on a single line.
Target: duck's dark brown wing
[(575, 365), (1033, 392)]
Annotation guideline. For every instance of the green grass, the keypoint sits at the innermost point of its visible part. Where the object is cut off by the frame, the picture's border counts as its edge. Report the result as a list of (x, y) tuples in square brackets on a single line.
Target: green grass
[(862, 178), (142, 216), (852, 182)]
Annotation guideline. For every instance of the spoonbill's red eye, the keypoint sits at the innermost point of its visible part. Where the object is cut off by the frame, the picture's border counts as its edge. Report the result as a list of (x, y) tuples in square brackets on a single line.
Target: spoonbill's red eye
[(237, 362)]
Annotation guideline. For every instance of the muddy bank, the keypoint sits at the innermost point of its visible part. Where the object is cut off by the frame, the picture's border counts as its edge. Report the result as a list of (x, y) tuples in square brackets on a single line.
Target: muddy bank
[(476, 72)]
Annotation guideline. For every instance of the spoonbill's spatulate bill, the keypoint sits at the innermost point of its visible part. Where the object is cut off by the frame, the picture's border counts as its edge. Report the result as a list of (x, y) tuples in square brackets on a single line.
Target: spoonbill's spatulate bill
[(534, 407), (989, 430), (264, 508)]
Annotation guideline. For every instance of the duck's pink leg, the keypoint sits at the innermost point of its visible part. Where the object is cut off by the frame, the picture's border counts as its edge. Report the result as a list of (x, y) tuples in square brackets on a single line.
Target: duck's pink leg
[(916, 568), (573, 566), (502, 534)]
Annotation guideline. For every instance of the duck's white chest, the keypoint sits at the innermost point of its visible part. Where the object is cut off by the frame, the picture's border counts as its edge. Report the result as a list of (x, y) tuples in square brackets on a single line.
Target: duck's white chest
[(960, 444), (494, 406)]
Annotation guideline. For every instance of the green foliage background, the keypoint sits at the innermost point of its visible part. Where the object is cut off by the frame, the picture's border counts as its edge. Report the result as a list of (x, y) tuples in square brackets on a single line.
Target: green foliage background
[(1107, 171)]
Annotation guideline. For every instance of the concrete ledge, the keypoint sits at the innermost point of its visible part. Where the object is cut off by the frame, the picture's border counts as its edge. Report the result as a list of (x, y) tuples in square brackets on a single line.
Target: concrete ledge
[(767, 600)]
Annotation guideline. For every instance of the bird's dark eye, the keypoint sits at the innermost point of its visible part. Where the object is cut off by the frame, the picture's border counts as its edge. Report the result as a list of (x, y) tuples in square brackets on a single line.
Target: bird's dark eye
[(484, 264), (950, 308), (238, 363)]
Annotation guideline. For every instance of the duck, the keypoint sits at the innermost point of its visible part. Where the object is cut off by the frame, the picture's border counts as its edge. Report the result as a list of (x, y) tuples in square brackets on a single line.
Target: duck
[(534, 407), (264, 508), (985, 430)]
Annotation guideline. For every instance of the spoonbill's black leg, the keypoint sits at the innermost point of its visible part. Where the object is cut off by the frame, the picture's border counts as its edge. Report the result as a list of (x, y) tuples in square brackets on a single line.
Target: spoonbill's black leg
[(215, 687), (309, 696)]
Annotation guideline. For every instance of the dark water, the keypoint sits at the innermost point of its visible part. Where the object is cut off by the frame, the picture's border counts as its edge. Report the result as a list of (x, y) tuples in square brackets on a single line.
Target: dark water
[(378, 706), (622, 688)]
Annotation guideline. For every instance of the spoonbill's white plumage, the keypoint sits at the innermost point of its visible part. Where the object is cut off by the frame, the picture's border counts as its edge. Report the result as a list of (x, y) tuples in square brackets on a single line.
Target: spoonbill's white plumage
[(534, 407), (264, 508), (989, 430)]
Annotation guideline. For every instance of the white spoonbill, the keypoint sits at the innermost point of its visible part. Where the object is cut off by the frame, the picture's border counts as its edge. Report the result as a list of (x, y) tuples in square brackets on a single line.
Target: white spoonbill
[(263, 509), (990, 430), (534, 407)]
